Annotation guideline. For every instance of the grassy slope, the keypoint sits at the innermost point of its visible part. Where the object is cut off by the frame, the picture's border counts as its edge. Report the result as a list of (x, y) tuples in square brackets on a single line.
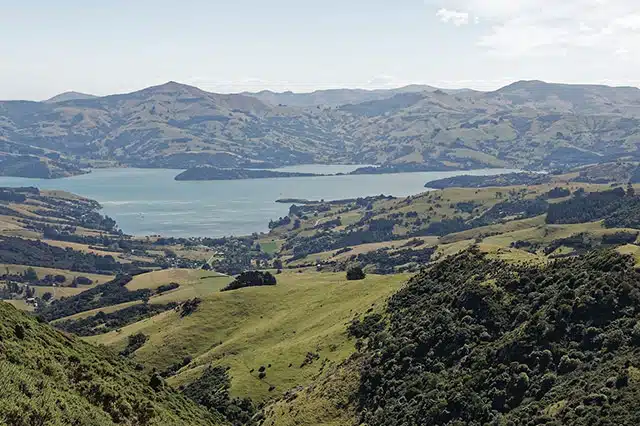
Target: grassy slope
[(50, 378), (431, 206), (85, 248), (153, 280), (36, 209), (70, 275), (329, 401), (191, 286), (107, 310), (362, 248), (631, 250), (437, 205), (20, 304), (59, 292), (254, 327)]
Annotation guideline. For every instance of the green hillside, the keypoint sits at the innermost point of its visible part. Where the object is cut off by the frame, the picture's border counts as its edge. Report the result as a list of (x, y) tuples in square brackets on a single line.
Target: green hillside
[(294, 330), (474, 341), (49, 378), (521, 311)]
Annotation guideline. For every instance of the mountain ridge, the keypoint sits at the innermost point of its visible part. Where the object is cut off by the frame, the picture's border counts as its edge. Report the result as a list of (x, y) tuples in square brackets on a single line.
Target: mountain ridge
[(69, 96), (528, 124)]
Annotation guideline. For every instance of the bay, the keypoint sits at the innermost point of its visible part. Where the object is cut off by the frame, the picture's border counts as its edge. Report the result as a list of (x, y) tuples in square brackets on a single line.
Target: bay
[(151, 202)]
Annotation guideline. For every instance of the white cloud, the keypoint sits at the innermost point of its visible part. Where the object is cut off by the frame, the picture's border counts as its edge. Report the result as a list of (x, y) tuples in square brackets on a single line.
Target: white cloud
[(621, 51), (630, 22), (453, 16), (550, 27)]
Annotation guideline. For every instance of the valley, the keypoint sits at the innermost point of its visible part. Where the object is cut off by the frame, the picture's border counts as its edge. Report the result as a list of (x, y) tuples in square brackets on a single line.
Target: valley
[(302, 305), (307, 343), (241, 213)]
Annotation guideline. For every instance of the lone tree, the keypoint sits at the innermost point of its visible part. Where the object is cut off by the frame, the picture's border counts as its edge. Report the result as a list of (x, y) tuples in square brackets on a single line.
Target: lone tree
[(30, 275), (630, 191), (355, 273)]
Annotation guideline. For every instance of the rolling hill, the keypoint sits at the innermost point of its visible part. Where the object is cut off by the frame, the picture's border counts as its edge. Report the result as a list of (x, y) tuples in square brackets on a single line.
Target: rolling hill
[(248, 328), (497, 306), (69, 96), (52, 378), (478, 342), (526, 124), (334, 97)]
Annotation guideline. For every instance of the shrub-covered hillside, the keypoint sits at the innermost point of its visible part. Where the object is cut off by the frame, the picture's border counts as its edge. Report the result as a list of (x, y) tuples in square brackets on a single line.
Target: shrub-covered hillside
[(473, 341), (48, 378)]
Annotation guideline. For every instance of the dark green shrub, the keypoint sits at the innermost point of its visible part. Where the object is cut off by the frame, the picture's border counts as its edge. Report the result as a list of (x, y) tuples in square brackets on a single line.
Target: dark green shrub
[(355, 273)]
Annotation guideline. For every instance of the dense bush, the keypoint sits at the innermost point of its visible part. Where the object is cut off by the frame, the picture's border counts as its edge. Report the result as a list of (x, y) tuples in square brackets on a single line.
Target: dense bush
[(472, 341), (626, 216), (558, 192), (190, 306), (50, 378), (375, 230), (211, 390), (509, 209), (105, 322), (385, 261), (167, 287), (12, 196), (18, 251), (581, 243), (355, 273), (107, 294), (364, 328), (81, 281), (135, 342), (590, 207), (251, 279), (620, 238), (518, 209), (509, 179), (283, 221), (173, 369), (445, 227), (466, 206)]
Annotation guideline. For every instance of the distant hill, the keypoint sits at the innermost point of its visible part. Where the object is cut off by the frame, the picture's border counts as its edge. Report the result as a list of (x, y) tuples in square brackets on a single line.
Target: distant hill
[(53, 378), (618, 172), (69, 96), (334, 97), (37, 167), (526, 124), (574, 98), (215, 173)]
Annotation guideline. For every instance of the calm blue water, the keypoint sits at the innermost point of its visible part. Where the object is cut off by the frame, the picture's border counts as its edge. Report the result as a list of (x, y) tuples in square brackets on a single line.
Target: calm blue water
[(150, 201)]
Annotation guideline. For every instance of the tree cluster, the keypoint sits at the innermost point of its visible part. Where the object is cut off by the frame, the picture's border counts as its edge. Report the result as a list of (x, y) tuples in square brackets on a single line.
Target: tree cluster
[(111, 293), (251, 279), (475, 341), (211, 390), (105, 322), (18, 251), (594, 206), (509, 179)]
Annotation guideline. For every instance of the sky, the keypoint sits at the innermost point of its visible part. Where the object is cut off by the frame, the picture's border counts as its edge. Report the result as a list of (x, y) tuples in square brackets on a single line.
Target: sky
[(117, 46)]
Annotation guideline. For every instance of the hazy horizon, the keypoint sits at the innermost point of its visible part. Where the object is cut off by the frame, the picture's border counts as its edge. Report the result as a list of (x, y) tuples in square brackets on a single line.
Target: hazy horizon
[(309, 91), (246, 45)]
